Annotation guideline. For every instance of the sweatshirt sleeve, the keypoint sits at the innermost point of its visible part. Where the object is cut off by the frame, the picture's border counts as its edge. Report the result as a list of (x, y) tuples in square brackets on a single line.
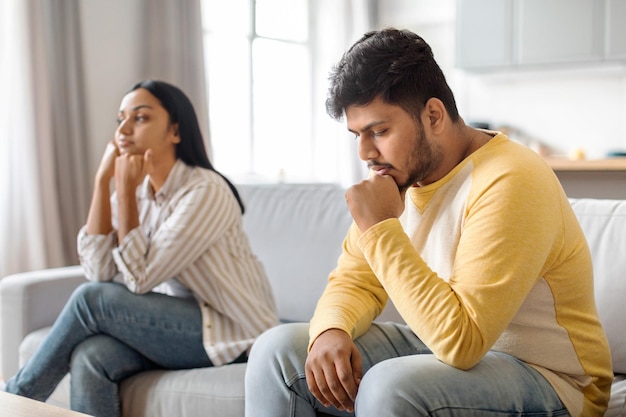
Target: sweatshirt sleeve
[(353, 297)]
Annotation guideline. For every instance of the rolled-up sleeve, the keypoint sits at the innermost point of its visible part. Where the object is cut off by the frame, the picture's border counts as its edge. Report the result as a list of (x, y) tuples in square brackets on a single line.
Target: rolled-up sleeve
[(94, 252), (130, 256)]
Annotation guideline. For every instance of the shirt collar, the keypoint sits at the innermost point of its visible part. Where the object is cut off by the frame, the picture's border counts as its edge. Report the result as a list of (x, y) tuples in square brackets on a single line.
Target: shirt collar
[(174, 181)]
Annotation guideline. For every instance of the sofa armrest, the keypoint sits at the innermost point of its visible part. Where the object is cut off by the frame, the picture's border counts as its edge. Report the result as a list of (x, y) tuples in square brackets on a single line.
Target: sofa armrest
[(29, 301)]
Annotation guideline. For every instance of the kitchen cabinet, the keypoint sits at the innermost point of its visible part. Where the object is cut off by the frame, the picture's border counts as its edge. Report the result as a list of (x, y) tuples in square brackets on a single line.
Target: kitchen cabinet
[(484, 33), (616, 29), (506, 34), (559, 31)]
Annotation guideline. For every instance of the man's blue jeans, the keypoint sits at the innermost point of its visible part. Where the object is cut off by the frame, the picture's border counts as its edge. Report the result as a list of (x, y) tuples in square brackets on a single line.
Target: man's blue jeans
[(401, 378), (104, 334)]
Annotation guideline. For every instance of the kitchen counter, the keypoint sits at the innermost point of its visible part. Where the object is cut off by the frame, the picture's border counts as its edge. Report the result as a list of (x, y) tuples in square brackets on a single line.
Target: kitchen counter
[(608, 164), (591, 178)]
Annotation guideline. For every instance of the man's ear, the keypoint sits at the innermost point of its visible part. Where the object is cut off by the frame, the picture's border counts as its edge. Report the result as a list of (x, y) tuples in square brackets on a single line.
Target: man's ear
[(435, 112)]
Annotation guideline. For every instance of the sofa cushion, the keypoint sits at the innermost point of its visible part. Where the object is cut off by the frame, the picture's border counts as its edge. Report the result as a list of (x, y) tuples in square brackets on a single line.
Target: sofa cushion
[(298, 251), (617, 402), (218, 391), (604, 225)]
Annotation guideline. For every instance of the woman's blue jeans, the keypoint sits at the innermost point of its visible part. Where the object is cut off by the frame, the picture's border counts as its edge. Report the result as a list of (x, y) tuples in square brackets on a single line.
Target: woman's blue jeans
[(401, 378), (104, 334)]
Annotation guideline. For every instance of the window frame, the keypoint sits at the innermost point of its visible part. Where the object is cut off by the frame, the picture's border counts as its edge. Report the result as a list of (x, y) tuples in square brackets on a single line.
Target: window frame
[(252, 173)]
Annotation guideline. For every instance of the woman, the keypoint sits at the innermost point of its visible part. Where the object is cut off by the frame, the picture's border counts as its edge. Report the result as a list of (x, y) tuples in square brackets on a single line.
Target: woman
[(174, 282)]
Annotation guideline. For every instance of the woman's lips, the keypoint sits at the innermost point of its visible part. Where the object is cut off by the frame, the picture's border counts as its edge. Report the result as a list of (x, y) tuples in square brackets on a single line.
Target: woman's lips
[(124, 143)]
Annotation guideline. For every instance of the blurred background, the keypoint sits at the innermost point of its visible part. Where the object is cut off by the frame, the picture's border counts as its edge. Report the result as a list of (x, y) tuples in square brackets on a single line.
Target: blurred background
[(551, 73)]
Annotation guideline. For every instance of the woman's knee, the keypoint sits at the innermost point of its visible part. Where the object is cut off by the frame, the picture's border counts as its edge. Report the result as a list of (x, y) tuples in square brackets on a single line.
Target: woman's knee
[(92, 294), (87, 291), (104, 356), (91, 354)]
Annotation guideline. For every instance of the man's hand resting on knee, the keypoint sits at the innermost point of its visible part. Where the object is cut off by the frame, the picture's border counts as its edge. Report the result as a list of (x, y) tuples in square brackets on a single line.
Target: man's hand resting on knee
[(334, 369)]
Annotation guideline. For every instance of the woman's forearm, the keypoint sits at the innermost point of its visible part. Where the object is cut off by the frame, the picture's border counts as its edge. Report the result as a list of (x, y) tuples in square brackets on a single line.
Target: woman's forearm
[(127, 214), (99, 217)]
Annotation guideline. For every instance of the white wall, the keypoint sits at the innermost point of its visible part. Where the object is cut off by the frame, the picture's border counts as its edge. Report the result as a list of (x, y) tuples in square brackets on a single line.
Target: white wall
[(564, 107), (581, 108), (109, 49)]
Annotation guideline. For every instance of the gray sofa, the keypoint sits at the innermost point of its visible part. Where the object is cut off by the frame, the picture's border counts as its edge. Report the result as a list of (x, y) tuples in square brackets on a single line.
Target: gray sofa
[(297, 231)]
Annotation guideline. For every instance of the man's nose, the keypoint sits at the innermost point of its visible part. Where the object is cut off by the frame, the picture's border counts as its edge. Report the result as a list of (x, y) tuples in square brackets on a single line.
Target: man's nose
[(367, 149)]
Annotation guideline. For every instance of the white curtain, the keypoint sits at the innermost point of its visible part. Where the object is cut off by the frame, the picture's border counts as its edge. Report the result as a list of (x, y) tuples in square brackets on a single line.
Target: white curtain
[(66, 102), (337, 25), (30, 229)]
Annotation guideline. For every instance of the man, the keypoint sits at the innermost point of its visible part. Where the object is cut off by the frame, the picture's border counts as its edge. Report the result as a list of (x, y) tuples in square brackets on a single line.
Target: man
[(473, 239)]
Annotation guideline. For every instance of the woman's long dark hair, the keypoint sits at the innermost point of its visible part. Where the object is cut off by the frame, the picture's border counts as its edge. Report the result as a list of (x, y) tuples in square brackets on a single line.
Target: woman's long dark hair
[(190, 149)]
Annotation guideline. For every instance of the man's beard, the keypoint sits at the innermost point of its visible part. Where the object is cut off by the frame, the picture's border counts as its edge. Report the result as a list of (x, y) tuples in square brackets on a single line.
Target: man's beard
[(423, 159)]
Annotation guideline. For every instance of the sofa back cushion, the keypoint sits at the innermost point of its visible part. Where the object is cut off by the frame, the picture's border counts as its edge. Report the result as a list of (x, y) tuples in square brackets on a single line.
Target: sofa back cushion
[(604, 225), (297, 231)]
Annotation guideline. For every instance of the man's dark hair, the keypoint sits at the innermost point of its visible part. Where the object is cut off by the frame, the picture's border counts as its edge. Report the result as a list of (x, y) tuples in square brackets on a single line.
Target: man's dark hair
[(396, 65), (191, 149)]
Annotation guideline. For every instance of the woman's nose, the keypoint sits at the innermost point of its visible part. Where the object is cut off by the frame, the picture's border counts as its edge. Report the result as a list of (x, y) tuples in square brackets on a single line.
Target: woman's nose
[(124, 127)]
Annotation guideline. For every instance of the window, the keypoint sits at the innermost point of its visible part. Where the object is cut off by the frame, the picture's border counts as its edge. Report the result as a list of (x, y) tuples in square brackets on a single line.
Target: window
[(258, 60)]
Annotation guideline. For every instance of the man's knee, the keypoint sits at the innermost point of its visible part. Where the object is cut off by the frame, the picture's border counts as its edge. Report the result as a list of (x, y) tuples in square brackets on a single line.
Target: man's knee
[(283, 345), (398, 386), (376, 390), (282, 338)]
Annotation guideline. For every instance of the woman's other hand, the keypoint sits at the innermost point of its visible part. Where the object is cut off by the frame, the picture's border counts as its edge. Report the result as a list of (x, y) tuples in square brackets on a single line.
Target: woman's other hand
[(106, 170)]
